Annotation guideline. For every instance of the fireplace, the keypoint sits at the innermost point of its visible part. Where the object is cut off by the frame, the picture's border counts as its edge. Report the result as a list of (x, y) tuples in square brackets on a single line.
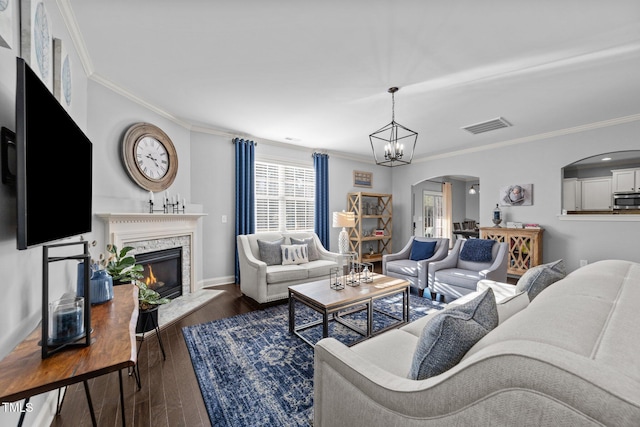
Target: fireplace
[(163, 271)]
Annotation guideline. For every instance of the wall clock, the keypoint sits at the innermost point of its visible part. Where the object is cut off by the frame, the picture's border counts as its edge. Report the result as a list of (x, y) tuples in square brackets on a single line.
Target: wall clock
[(149, 157)]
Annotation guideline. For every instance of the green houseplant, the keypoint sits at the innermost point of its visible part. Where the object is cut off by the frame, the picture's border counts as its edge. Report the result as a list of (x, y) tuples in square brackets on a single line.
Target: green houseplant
[(121, 265)]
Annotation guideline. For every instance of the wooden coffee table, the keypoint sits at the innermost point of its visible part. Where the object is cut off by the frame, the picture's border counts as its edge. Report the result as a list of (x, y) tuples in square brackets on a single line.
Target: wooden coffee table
[(332, 304)]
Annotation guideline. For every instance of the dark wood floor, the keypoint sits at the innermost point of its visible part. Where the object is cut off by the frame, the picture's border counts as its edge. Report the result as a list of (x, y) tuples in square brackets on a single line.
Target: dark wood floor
[(170, 395)]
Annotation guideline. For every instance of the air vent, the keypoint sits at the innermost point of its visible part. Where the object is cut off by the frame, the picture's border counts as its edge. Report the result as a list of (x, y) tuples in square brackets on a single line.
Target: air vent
[(487, 126)]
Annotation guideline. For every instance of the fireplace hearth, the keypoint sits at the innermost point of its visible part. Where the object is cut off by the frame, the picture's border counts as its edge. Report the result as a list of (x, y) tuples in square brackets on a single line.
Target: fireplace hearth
[(163, 271)]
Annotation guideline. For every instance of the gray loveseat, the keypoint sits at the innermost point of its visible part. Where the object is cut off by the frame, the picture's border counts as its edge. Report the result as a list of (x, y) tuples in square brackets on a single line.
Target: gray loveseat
[(265, 283), (570, 357)]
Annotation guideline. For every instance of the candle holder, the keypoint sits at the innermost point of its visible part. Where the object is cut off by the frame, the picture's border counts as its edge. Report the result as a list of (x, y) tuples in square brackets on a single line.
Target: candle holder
[(366, 272), (355, 268), (168, 207), (336, 280)]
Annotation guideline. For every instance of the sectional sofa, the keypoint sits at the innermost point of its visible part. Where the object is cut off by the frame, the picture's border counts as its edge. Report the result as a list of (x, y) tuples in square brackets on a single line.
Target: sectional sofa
[(569, 357)]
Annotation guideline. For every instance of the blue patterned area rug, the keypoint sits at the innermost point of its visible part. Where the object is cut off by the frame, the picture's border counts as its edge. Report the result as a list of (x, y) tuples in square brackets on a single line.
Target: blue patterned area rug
[(253, 372)]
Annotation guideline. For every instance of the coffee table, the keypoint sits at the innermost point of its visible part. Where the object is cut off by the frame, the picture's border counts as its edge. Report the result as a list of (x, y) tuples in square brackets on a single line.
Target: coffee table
[(333, 304)]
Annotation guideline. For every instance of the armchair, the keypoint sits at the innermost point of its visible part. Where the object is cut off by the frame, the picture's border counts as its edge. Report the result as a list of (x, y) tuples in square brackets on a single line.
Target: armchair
[(401, 265), (454, 277)]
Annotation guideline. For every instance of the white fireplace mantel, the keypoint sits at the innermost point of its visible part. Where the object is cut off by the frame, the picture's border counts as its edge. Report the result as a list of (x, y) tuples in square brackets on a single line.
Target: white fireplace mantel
[(123, 228)]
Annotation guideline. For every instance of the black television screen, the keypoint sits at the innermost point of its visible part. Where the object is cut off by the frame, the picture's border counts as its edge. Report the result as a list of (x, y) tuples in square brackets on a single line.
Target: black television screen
[(54, 166)]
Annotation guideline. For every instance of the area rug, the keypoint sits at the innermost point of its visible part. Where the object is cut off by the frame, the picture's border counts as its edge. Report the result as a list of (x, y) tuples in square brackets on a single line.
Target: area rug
[(253, 372)]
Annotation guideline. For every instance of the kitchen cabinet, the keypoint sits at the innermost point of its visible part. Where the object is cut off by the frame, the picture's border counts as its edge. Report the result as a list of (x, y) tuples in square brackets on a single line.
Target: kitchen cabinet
[(571, 194), (596, 193), (626, 180)]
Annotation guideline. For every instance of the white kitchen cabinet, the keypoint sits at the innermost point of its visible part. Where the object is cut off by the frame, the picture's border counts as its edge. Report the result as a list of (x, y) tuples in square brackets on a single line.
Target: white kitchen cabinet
[(626, 180), (596, 193), (571, 194)]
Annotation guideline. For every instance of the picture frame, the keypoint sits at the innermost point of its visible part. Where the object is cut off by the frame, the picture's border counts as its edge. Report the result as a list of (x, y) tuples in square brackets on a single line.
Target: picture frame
[(36, 41), (516, 195), (61, 74), (362, 179), (6, 23)]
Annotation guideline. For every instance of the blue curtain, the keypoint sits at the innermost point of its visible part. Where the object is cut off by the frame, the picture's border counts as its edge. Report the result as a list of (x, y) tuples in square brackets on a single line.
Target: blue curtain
[(245, 182), (321, 225)]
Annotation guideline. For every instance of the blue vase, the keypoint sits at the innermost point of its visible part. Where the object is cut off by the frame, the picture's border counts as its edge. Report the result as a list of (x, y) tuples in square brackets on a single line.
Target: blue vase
[(101, 285)]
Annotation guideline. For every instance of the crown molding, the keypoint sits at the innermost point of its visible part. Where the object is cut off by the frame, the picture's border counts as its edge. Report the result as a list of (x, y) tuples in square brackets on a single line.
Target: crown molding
[(537, 137)]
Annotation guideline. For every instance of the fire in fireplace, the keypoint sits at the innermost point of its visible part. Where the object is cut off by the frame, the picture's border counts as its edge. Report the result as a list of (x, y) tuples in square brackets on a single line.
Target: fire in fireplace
[(163, 271)]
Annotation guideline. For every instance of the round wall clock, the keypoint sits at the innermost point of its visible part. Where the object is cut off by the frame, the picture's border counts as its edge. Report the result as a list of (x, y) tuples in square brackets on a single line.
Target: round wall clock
[(149, 157)]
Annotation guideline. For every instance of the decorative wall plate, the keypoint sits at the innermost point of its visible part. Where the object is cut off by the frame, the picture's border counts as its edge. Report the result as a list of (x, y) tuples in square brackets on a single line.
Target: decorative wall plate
[(149, 157), (61, 74), (36, 39)]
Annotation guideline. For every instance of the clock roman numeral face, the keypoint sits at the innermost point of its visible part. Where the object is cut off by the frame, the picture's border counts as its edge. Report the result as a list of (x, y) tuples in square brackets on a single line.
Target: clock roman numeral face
[(152, 157)]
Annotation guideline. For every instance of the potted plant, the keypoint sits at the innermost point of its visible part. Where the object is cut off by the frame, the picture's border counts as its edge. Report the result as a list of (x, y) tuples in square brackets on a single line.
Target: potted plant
[(121, 265)]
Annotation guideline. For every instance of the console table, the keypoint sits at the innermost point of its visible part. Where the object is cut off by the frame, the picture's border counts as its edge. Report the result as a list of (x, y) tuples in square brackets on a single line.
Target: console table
[(525, 246), (23, 373)]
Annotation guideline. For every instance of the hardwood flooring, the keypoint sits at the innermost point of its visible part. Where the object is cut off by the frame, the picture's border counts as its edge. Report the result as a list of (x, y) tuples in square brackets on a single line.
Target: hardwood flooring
[(170, 395)]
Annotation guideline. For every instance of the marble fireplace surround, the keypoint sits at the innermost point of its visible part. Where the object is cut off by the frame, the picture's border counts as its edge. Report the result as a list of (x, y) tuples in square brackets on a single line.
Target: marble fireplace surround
[(149, 232)]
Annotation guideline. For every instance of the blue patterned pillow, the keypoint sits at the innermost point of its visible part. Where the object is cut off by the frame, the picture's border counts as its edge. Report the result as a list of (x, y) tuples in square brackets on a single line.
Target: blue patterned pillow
[(311, 246), (422, 250), (270, 252), (450, 333), (294, 254), (536, 279), (477, 250)]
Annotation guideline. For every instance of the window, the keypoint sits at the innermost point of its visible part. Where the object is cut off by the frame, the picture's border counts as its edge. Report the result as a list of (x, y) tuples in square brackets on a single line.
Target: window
[(433, 213), (285, 197)]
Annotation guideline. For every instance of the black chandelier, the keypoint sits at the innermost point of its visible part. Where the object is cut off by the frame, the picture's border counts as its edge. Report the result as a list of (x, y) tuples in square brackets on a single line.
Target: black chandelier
[(391, 140)]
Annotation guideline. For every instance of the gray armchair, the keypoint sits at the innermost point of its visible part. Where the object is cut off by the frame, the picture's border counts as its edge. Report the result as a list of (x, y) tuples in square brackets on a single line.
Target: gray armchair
[(453, 277), (401, 266)]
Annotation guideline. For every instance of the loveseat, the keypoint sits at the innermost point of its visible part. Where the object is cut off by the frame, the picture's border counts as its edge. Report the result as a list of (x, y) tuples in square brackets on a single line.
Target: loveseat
[(569, 357), (266, 280)]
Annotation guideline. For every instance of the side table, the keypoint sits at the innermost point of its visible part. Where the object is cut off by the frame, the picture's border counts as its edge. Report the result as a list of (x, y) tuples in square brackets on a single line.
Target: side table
[(23, 373)]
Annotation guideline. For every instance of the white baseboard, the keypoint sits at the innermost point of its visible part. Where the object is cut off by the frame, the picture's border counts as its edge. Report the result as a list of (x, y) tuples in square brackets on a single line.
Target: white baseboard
[(216, 281)]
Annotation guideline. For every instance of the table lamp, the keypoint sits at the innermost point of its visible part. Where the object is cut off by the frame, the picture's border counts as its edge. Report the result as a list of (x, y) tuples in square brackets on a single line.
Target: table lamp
[(343, 219)]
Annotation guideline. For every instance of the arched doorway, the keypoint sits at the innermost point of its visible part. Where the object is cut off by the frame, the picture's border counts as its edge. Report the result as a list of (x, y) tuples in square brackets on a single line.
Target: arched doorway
[(436, 211)]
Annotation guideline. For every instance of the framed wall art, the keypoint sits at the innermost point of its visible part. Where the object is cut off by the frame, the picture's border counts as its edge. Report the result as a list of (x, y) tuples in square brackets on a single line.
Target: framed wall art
[(36, 42), (61, 74), (516, 195), (362, 179), (6, 23)]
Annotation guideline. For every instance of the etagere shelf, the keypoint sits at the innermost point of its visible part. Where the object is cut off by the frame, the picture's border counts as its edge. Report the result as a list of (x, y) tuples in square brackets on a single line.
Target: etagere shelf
[(525, 246), (371, 236)]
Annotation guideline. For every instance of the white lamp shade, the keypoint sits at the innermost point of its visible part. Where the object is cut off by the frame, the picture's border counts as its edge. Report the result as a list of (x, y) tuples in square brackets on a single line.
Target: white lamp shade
[(344, 219)]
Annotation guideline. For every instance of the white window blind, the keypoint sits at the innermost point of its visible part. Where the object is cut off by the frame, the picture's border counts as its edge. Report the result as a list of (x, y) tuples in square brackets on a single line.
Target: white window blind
[(285, 197)]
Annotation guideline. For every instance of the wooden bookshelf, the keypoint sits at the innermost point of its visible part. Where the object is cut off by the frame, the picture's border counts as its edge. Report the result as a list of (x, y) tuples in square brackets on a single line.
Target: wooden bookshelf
[(372, 211)]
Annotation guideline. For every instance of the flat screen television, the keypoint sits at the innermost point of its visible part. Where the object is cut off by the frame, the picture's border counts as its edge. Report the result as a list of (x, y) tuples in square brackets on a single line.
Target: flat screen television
[(54, 166)]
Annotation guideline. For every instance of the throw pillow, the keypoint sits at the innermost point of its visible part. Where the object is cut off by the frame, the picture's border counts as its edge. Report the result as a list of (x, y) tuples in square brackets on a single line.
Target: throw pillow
[(450, 333), (536, 279), (311, 246), (270, 252), (294, 254), (477, 250), (422, 250)]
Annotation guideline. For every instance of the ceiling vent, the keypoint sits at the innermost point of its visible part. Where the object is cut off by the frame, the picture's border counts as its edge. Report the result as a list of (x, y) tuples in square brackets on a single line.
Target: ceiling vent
[(487, 126)]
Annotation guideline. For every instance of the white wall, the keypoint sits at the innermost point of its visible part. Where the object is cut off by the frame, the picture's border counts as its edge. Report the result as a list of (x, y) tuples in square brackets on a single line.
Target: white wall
[(538, 163), (20, 305)]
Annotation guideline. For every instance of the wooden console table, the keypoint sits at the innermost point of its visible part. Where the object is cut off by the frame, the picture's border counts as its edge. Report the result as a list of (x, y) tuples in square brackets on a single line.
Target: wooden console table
[(23, 373), (525, 246)]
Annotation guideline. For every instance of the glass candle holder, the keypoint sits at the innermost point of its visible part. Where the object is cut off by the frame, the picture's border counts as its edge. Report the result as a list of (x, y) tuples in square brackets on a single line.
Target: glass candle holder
[(66, 320), (336, 280)]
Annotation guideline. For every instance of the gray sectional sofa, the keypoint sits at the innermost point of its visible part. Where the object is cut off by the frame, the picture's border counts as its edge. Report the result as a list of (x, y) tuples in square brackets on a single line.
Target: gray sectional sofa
[(569, 357), (265, 283)]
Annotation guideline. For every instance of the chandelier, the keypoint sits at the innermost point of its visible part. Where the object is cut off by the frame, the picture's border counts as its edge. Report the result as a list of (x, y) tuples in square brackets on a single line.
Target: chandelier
[(391, 140)]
